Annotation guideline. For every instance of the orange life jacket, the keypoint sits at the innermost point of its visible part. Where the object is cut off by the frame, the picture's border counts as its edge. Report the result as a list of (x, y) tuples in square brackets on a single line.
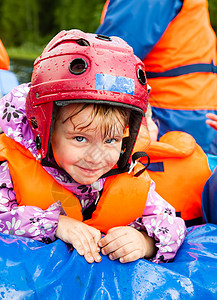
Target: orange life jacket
[(122, 201), (4, 59), (180, 170), (193, 91), (104, 11)]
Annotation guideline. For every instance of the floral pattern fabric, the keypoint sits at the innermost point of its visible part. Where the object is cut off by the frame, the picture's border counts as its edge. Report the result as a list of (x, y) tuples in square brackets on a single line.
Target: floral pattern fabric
[(158, 219)]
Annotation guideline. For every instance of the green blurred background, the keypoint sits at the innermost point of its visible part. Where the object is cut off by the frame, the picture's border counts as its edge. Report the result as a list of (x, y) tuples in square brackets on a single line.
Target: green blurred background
[(28, 25)]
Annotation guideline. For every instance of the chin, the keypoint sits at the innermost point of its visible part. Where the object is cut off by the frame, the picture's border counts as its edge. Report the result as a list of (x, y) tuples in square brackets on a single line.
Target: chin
[(86, 180)]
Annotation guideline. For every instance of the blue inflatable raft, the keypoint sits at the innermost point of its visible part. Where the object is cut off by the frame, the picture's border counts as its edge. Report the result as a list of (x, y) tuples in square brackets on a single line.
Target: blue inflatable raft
[(33, 270)]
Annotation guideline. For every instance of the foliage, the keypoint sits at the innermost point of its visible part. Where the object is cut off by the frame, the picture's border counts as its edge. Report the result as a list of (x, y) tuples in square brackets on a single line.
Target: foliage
[(35, 22), (19, 22), (82, 14), (213, 13)]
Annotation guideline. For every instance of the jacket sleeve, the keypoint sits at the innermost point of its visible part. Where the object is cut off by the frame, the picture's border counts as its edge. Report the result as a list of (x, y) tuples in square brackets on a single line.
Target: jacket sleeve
[(140, 23), (27, 221), (160, 222)]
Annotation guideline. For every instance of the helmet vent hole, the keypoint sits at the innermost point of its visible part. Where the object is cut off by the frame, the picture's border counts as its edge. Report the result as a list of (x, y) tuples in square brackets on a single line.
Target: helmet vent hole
[(141, 76), (34, 123), (78, 66), (82, 42), (38, 142), (103, 37)]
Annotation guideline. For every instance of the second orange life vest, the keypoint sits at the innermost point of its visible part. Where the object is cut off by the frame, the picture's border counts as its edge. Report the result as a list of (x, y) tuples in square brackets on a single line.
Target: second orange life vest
[(180, 170)]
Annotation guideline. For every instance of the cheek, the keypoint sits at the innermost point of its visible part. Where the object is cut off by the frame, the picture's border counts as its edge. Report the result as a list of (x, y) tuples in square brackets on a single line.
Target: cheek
[(55, 141), (56, 153), (113, 156), (58, 149)]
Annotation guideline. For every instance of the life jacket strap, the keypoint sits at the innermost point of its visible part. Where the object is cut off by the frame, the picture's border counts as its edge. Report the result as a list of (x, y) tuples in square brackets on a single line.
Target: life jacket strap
[(138, 155), (183, 70)]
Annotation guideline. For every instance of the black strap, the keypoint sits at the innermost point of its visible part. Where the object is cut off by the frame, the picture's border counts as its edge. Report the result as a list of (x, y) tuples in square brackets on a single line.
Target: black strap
[(183, 70), (192, 222), (87, 213), (115, 171), (138, 155), (46, 163)]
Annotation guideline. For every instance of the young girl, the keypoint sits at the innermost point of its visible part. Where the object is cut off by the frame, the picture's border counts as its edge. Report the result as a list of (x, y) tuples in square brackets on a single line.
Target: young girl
[(66, 169)]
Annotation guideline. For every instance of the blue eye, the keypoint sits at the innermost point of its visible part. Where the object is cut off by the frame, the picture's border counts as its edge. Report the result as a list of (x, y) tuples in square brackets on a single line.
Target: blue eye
[(80, 139), (110, 141)]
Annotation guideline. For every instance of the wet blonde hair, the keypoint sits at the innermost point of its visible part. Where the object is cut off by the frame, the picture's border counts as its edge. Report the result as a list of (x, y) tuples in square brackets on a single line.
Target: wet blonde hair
[(107, 117)]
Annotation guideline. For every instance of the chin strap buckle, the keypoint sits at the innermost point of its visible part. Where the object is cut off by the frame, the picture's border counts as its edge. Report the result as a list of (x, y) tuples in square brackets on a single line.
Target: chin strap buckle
[(136, 156), (132, 165)]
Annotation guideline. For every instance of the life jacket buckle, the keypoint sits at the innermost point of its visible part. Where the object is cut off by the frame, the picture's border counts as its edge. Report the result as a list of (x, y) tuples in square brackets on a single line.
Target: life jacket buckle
[(132, 165)]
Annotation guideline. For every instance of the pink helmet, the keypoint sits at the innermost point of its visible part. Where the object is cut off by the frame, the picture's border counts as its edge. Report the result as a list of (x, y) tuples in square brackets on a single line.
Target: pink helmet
[(83, 67)]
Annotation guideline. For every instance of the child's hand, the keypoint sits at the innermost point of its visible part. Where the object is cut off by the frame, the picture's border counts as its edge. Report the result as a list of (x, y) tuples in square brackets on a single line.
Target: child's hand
[(82, 237), (127, 244), (212, 121)]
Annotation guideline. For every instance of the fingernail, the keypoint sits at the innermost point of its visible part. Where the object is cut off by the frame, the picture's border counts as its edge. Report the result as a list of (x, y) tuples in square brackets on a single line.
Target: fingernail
[(98, 258), (111, 257)]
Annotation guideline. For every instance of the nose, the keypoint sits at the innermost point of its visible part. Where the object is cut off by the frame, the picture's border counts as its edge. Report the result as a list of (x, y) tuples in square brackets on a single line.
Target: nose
[(94, 154)]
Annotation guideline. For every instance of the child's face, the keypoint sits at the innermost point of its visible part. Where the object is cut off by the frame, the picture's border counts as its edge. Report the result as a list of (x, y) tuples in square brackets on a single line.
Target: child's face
[(84, 153)]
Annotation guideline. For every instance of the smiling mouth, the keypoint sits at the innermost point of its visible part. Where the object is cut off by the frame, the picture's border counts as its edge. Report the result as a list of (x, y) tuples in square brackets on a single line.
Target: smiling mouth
[(87, 170)]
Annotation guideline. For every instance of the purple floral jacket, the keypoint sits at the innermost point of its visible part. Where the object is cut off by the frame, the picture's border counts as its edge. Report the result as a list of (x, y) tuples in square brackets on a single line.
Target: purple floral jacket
[(158, 218)]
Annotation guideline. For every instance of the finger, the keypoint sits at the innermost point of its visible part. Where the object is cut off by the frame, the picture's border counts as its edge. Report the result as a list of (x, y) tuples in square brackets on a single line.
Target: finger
[(210, 121), (111, 235), (96, 250), (123, 251), (132, 256), (77, 241), (91, 247), (211, 116), (96, 255), (115, 245), (213, 124), (97, 237)]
